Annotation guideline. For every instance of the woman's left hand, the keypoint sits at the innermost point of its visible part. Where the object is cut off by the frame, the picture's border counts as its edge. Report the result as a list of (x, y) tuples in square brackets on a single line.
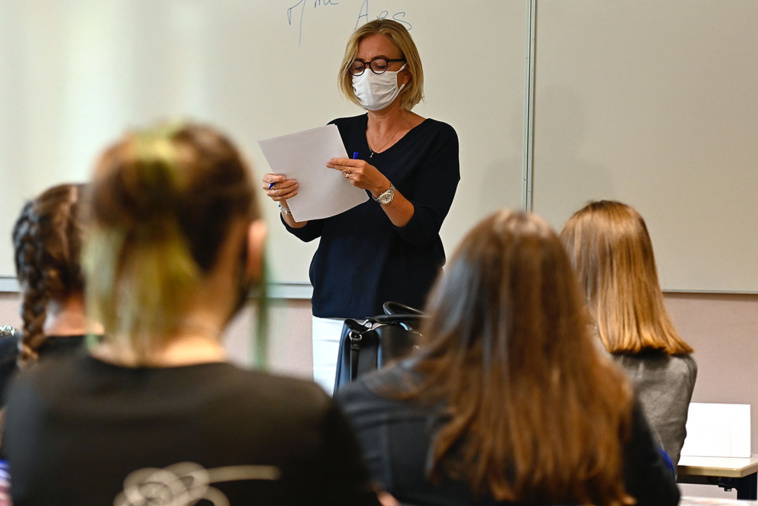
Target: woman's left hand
[(361, 174)]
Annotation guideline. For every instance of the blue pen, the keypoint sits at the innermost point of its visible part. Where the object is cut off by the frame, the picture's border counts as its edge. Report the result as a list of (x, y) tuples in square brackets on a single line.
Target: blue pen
[(271, 185), (355, 155)]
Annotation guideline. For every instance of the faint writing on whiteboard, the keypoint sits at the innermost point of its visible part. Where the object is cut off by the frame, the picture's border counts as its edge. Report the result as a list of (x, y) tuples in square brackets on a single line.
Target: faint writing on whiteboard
[(364, 13)]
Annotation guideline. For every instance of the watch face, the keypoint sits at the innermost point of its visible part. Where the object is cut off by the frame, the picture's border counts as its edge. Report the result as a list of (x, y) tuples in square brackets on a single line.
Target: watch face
[(386, 197)]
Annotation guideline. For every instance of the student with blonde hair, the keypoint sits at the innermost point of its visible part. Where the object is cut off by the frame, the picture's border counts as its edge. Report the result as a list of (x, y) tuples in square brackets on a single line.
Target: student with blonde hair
[(611, 250), (155, 413), (509, 401)]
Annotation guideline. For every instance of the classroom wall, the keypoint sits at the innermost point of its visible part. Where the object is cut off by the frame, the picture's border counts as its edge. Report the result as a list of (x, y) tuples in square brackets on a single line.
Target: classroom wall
[(290, 349), (723, 331), (85, 71), (654, 104)]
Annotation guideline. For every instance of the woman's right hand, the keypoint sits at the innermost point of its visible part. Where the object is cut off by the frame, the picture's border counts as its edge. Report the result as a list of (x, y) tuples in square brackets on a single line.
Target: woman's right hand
[(278, 187)]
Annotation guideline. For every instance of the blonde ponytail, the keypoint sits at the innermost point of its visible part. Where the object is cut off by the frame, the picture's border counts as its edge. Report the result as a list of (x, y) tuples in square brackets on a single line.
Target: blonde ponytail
[(142, 270), (162, 204)]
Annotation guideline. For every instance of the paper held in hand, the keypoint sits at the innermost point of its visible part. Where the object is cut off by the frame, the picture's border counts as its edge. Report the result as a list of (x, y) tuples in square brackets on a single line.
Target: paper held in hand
[(323, 192)]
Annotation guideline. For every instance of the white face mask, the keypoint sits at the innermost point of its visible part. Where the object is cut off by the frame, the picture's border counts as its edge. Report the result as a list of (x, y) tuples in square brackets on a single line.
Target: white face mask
[(375, 92)]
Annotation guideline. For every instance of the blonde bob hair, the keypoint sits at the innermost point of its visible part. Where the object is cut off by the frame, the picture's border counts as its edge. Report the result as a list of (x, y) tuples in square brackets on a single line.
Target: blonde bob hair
[(413, 92), (610, 248)]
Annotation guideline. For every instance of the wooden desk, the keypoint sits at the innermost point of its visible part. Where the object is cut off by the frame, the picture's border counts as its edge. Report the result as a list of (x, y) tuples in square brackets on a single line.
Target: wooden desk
[(726, 472)]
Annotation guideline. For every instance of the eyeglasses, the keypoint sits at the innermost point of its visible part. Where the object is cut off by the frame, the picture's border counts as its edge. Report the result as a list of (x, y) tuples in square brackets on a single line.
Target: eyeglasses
[(377, 65)]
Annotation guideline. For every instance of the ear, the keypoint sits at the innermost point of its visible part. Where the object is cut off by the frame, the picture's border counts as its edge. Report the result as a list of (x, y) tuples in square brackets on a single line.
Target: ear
[(256, 239), (405, 77)]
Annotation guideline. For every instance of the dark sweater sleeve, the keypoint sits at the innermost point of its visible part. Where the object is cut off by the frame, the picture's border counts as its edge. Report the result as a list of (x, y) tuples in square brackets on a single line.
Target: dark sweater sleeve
[(346, 480), (436, 184), (309, 232), (646, 475)]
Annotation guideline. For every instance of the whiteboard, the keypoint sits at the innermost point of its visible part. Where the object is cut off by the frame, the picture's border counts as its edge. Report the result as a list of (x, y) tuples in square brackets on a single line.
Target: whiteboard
[(77, 73), (655, 104)]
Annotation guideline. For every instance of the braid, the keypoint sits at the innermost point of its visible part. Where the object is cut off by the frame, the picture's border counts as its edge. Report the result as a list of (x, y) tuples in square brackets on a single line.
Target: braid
[(33, 313), (47, 242), (35, 297)]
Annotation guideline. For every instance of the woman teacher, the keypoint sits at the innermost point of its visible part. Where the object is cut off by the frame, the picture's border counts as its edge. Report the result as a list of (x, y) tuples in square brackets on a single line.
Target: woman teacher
[(387, 248)]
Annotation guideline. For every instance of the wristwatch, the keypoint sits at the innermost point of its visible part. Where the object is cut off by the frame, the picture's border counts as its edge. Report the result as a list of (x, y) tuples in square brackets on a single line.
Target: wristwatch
[(386, 197)]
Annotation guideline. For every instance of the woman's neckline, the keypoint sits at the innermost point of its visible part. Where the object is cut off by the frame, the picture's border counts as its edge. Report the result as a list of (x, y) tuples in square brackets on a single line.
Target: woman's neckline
[(390, 144)]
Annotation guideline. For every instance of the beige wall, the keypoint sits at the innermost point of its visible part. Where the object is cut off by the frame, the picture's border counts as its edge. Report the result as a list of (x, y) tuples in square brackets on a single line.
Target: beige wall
[(723, 329), (290, 349), (9, 309)]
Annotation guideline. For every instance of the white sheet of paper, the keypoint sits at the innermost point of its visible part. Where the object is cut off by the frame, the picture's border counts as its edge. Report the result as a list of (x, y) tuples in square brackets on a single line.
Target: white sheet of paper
[(323, 192), (717, 430)]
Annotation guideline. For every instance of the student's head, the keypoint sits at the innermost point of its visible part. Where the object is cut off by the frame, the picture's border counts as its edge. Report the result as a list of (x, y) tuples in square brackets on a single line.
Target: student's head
[(535, 412), (611, 250), (508, 290), (47, 239), (170, 207), (402, 43)]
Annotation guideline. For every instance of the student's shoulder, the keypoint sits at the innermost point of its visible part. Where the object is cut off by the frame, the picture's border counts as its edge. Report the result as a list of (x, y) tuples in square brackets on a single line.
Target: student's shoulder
[(380, 389), (685, 365), (671, 364), (268, 386), (687, 361), (52, 375), (56, 366)]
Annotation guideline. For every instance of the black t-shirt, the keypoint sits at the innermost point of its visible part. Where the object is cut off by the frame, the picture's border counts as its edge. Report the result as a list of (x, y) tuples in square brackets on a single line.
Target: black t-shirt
[(51, 347), (364, 260), (80, 431)]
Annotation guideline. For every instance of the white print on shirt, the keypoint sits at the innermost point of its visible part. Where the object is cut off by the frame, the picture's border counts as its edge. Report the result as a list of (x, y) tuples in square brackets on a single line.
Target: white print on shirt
[(186, 483)]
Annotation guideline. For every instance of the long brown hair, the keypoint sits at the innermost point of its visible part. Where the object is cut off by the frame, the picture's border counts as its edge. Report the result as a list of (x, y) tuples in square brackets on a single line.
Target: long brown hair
[(163, 201), (535, 413), (610, 248), (47, 239)]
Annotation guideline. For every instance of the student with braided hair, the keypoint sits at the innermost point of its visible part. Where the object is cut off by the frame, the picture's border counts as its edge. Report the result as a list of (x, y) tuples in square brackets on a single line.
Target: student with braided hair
[(155, 413), (47, 239)]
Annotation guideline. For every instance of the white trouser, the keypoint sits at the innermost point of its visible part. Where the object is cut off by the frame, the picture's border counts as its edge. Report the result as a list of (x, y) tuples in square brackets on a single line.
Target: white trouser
[(326, 344)]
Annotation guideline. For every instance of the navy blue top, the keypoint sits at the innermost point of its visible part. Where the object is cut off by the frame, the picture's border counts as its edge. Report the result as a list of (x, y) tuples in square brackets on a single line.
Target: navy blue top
[(364, 260)]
